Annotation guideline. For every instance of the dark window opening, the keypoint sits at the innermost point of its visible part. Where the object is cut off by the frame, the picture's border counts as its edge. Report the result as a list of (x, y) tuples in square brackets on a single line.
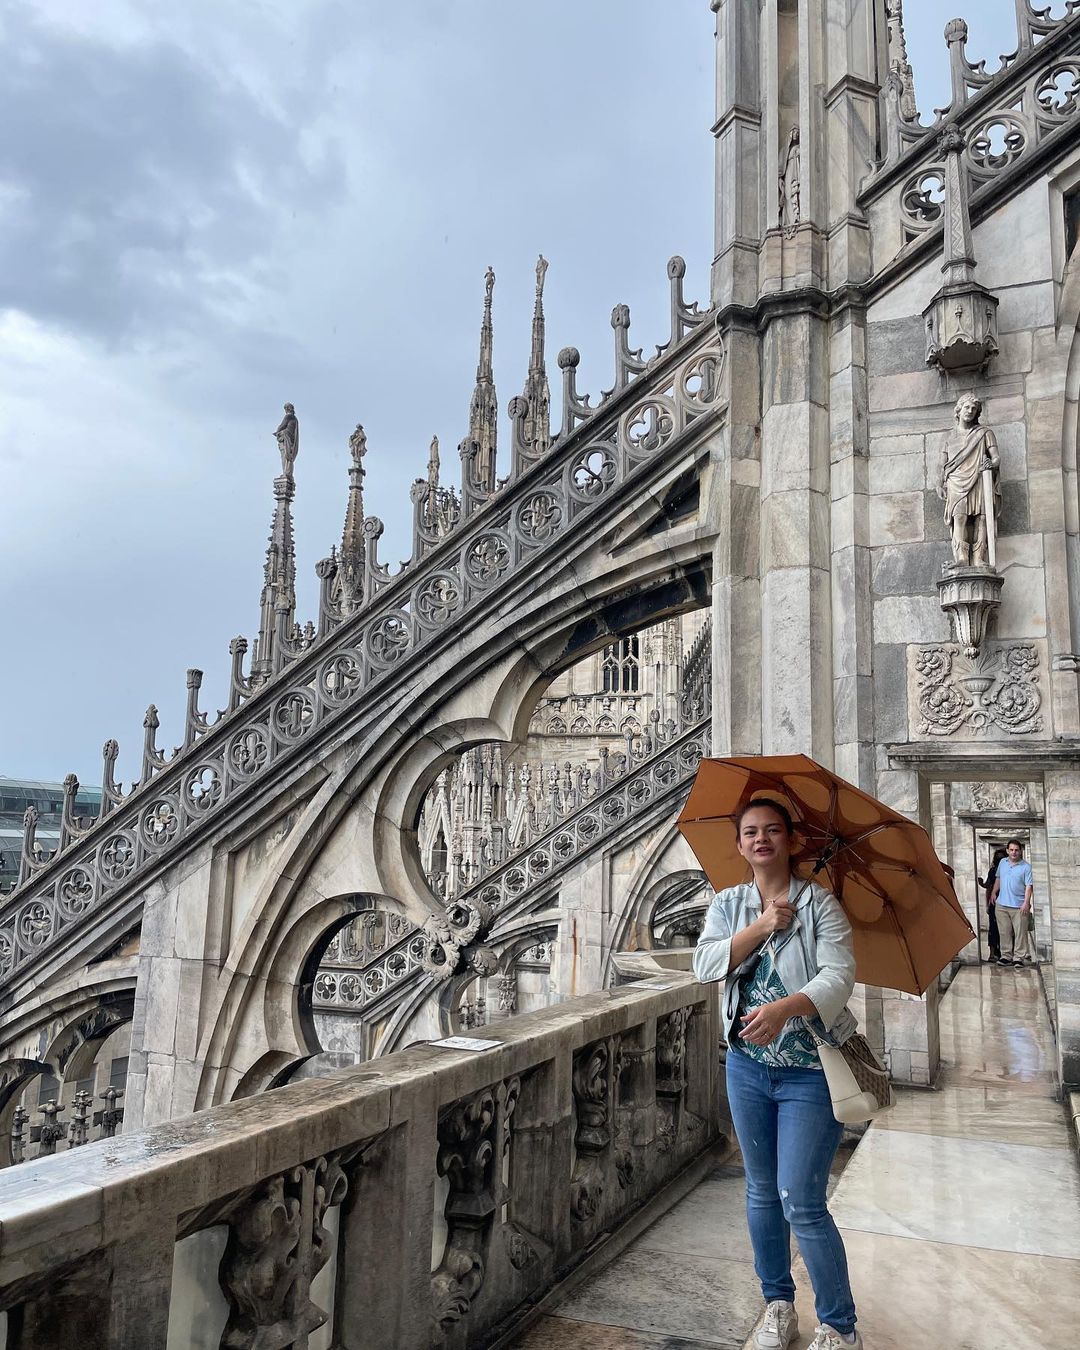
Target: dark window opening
[(1072, 221)]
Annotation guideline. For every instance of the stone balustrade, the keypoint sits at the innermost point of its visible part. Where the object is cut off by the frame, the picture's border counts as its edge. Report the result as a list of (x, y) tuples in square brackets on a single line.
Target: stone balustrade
[(428, 1198)]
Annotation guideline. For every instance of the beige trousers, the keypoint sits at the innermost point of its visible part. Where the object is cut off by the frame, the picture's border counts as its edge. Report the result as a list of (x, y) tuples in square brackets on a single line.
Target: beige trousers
[(1013, 932)]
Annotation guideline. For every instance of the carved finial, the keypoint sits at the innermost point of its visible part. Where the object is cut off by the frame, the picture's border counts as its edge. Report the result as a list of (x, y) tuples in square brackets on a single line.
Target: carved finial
[(899, 65), (537, 392), (110, 793), (483, 410), (956, 35), (69, 829), (29, 858), (279, 570), (628, 363), (349, 577), (961, 320), (194, 719), (433, 463)]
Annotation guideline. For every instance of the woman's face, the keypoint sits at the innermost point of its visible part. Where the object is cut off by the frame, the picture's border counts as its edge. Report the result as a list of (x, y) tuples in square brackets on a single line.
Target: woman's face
[(763, 838)]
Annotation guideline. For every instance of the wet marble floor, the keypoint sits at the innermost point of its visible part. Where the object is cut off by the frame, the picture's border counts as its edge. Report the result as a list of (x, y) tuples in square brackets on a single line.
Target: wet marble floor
[(960, 1212)]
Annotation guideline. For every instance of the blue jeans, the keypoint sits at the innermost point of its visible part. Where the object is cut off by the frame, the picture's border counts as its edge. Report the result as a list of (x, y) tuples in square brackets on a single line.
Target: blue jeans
[(788, 1136)]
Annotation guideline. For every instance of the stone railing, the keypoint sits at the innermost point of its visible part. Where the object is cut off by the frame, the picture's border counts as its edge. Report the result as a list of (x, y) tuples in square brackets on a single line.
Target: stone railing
[(1005, 117), (636, 429), (657, 780), (426, 1200)]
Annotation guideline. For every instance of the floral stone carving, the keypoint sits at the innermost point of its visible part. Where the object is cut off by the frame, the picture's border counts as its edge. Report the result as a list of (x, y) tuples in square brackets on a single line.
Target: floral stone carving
[(1000, 690), (474, 1134), (594, 1086), (277, 1245)]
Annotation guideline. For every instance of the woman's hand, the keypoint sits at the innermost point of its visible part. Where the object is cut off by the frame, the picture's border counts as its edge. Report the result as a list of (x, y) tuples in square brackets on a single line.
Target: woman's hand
[(778, 916), (764, 1024)]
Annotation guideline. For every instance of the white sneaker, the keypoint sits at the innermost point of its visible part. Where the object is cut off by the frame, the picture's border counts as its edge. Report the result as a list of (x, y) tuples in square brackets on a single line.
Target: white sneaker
[(826, 1338), (778, 1327)]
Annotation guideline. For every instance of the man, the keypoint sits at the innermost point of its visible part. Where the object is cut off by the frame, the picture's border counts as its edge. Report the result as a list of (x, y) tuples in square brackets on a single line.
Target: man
[(1012, 896), (969, 450)]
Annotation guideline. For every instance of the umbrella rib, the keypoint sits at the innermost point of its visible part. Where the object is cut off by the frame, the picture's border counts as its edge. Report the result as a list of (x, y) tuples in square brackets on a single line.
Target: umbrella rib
[(905, 949)]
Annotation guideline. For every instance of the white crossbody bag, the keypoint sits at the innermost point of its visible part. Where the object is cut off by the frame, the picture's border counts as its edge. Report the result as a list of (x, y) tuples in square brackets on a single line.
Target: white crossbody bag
[(858, 1081)]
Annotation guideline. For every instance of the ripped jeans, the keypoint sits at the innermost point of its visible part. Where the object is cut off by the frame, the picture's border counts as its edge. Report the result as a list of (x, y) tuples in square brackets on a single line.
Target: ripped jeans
[(788, 1136)]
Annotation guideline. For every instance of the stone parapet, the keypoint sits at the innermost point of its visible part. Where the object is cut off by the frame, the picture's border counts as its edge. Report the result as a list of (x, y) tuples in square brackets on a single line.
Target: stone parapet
[(420, 1200)]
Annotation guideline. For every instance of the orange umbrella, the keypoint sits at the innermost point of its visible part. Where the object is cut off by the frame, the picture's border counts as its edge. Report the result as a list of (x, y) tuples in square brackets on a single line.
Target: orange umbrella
[(906, 921)]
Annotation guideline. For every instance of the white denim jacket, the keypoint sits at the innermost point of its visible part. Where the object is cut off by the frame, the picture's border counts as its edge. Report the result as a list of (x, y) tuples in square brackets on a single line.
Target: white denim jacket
[(813, 957)]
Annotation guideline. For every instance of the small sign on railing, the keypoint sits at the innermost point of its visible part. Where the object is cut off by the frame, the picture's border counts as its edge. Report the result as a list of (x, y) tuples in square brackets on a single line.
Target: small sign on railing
[(465, 1043)]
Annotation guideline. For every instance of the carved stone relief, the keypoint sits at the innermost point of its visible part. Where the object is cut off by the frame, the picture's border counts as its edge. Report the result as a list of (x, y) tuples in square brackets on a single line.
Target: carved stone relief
[(277, 1244), (1001, 692), (1000, 797), (474, 1135), (670, 1076), (594, 1084)]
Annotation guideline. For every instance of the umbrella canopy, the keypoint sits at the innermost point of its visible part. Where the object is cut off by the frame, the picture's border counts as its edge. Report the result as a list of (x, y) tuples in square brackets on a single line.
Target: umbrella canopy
[(906, 921)]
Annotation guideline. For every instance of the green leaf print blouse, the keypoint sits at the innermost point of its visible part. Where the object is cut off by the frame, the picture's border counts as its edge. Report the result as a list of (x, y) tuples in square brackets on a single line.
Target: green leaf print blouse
[(794, 1048)]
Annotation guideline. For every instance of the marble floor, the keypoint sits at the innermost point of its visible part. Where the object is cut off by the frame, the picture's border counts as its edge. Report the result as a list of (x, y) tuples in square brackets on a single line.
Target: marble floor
[(960, 1212)]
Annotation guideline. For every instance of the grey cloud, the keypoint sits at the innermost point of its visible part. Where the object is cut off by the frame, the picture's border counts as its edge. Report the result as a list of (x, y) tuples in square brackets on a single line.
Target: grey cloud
[(130, 176)]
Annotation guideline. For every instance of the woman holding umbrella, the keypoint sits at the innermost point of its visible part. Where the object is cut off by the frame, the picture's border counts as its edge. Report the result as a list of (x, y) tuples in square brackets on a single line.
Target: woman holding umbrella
[(785, 949)]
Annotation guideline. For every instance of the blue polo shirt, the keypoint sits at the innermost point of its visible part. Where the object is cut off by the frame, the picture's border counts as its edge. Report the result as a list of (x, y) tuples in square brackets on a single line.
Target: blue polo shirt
[(1013, 880)]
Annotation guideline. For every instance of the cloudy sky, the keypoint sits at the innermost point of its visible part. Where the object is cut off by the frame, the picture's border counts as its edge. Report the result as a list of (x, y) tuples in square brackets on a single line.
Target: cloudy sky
[(212, 207)]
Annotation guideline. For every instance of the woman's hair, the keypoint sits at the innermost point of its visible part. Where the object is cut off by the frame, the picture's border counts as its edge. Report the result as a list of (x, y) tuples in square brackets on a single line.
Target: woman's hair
[(777, 807)]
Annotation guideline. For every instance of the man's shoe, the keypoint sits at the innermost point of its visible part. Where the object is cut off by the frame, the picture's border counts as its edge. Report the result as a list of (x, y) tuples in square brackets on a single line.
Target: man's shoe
[(828, 1339), (1004, 961), (778, 1327)]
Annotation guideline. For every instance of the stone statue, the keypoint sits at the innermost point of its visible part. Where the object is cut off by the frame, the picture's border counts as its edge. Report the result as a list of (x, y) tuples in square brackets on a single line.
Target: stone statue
[(288, 439), (970, 465), (790, 190), (357, 441)]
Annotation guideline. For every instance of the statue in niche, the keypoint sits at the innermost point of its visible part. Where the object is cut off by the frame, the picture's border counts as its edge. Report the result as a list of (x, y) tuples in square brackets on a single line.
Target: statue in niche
[(790, 189), (288, 439), (970, 486)]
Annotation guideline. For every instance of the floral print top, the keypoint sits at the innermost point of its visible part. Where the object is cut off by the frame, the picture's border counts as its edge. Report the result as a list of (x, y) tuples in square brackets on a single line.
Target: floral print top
[(794, 1048)]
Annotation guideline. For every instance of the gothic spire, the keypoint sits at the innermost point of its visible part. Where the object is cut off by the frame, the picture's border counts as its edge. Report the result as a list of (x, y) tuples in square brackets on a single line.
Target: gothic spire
[(898, 60), (537, 391), (351, 567), (484, 409), (279, 570)]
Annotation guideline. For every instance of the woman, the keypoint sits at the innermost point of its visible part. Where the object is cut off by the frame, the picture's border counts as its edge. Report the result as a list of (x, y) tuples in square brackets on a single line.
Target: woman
[(784, 948)]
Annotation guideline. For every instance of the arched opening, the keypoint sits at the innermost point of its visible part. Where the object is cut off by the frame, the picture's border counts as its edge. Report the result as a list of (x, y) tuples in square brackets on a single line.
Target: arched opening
[(594, 722)]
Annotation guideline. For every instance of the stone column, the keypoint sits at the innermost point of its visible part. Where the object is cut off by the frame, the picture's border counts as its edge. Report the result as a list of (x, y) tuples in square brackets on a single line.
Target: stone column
[(796, 625), (738, 154), (181, 928), (1063, 866), (852, 627), (734, 508), (578, 962)]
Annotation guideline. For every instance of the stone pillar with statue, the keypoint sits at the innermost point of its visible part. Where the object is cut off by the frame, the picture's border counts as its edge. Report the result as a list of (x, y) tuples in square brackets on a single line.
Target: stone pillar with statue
[(969, 486)]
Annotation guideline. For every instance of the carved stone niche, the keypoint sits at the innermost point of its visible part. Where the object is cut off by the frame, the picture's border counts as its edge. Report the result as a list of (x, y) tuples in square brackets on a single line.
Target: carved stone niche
[(998, 694)]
